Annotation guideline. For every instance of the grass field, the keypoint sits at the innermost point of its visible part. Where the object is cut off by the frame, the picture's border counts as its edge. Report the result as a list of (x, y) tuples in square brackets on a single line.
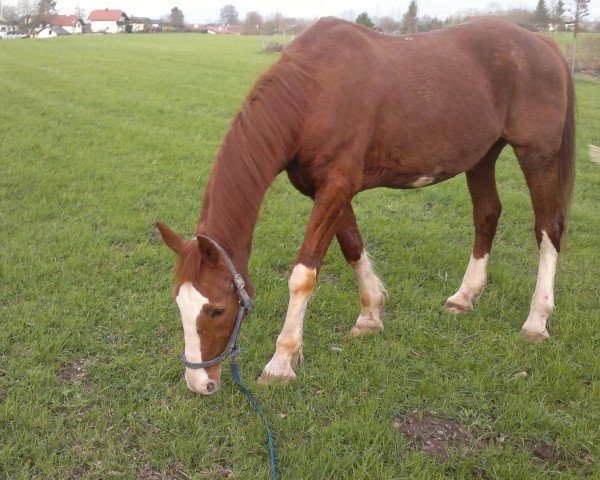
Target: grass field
[(102, 136)]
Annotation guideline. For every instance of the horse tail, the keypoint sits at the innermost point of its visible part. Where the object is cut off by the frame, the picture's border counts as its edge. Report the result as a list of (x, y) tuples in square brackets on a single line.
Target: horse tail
[(566, 153)]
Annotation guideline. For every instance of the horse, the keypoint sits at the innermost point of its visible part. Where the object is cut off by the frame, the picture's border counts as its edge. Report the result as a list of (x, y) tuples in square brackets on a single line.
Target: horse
[(347, 109)]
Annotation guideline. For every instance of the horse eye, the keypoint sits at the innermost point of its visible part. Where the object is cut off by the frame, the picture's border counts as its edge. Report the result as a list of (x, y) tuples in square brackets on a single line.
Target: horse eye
[(217, 312)]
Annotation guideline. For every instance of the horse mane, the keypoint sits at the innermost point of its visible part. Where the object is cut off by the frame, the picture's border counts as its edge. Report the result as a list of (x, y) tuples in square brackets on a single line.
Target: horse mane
[(262, 138)]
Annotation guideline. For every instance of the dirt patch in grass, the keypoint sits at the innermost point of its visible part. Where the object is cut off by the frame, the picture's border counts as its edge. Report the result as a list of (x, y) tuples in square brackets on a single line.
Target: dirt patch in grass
[(437, 436), (148, 473), (545, 453), (73, 372)]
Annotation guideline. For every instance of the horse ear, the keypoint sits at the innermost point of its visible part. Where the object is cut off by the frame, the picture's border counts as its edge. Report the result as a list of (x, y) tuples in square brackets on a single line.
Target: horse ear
[(208, 251), (171, 239)]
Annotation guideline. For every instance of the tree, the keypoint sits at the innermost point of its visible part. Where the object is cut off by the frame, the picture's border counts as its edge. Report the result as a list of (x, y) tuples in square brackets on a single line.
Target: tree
[(253, 23), (176, 19), (558, 12), (428, 24), (541, 17), (410, 20), (389, 25), (27, 12), (9, 13), (46, 8), (364, 19), (581, 12), (80, 12), (229, 15)]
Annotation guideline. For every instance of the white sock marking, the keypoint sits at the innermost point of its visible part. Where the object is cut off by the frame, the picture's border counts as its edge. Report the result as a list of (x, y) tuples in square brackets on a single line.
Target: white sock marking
[(372, 293), (473, 282), (542, 302), (289, 342)]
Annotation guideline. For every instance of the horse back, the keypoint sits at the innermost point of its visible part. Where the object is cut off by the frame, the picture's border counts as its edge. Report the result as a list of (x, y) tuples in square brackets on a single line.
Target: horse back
[(428, 104)]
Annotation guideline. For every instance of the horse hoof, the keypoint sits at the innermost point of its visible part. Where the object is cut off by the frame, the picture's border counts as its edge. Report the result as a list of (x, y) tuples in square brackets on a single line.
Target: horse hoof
[(535, 335), (359, 330), (268, 379), (457, 308)]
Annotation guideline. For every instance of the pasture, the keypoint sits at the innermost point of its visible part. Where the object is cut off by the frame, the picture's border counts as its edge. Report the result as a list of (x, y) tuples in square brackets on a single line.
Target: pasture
[(103, 136)]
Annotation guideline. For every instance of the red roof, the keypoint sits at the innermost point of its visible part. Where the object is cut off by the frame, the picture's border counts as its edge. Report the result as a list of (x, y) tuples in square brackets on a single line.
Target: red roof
[(63, 20), (106, 15)]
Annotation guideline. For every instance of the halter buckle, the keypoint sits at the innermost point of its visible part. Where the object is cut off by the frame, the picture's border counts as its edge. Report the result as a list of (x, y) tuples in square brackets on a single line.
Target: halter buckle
[(239, 281)]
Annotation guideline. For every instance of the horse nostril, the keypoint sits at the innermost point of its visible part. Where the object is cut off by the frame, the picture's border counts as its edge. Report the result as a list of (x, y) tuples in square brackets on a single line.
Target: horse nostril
[(211, 387)]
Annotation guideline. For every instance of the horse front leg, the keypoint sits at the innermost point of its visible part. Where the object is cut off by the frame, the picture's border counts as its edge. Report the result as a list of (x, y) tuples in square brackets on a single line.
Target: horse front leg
[(323, 223), (371, 289)]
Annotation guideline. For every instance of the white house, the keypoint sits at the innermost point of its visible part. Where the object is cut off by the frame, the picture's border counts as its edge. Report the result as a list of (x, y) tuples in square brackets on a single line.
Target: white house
[(71, 23), (108, 21), (6, 28), (51, 32)]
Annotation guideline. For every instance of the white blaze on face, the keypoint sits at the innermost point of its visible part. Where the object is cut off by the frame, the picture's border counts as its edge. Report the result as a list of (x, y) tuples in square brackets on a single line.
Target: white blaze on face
[(190, 302)]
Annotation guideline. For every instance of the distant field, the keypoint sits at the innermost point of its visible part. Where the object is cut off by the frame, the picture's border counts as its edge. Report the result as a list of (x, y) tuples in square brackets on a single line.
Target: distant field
[(588, 49), (102, 136)]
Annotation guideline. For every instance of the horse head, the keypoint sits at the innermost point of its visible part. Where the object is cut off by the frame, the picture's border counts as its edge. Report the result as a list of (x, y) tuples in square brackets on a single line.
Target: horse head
[(208, 303)]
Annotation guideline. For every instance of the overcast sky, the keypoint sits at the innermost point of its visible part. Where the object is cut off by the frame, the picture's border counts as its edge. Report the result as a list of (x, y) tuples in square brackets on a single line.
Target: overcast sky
[(208, 10)]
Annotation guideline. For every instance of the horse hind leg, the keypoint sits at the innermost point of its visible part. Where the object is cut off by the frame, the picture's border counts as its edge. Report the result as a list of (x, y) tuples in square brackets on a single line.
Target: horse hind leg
[(371, 289), (542, 174), (481, 181)]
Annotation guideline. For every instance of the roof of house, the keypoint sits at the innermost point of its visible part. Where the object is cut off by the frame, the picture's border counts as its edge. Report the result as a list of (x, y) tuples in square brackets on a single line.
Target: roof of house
[(64, 20), (55, 29), (106, 15)]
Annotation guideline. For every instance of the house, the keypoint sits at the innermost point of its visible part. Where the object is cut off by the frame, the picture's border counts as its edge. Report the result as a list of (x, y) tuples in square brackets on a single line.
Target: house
[(145, 24), (6, 28), (108, 21), (50, 32), (71, 23)]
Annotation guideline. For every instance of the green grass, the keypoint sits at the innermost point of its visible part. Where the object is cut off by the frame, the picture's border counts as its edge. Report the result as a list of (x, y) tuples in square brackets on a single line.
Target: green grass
[(102, 136)]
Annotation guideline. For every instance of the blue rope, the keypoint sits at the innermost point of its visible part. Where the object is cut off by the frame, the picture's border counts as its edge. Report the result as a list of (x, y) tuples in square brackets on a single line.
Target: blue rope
[(246, 392)]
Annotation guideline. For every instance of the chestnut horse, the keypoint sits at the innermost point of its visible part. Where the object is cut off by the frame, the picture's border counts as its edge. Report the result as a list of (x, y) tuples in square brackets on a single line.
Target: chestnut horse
[(346, 109)]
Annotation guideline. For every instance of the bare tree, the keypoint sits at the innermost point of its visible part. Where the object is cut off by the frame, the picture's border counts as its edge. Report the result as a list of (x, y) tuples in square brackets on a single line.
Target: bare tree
[(81, 13), (389, 25), (253, 23), (28, 22), (229, 16)]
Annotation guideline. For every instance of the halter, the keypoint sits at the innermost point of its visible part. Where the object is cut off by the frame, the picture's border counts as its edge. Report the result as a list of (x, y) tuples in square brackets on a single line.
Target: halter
[(232, 349)]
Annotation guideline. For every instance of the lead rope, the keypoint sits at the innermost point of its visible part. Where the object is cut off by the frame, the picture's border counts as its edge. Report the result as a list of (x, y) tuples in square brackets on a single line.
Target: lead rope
[(232, 350), (246, 392)]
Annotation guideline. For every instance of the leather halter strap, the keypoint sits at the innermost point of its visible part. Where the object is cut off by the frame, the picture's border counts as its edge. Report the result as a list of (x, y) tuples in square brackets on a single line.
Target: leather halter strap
[(232, 349)]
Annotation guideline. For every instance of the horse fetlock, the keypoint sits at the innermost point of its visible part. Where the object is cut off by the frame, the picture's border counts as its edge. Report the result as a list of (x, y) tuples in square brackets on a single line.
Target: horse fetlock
[(367, 323), (276, 373), (535, 334), (459, 303)]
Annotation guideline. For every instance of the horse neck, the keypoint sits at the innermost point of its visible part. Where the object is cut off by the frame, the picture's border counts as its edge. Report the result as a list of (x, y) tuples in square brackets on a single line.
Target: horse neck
[(235, 191), (263, 137)]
